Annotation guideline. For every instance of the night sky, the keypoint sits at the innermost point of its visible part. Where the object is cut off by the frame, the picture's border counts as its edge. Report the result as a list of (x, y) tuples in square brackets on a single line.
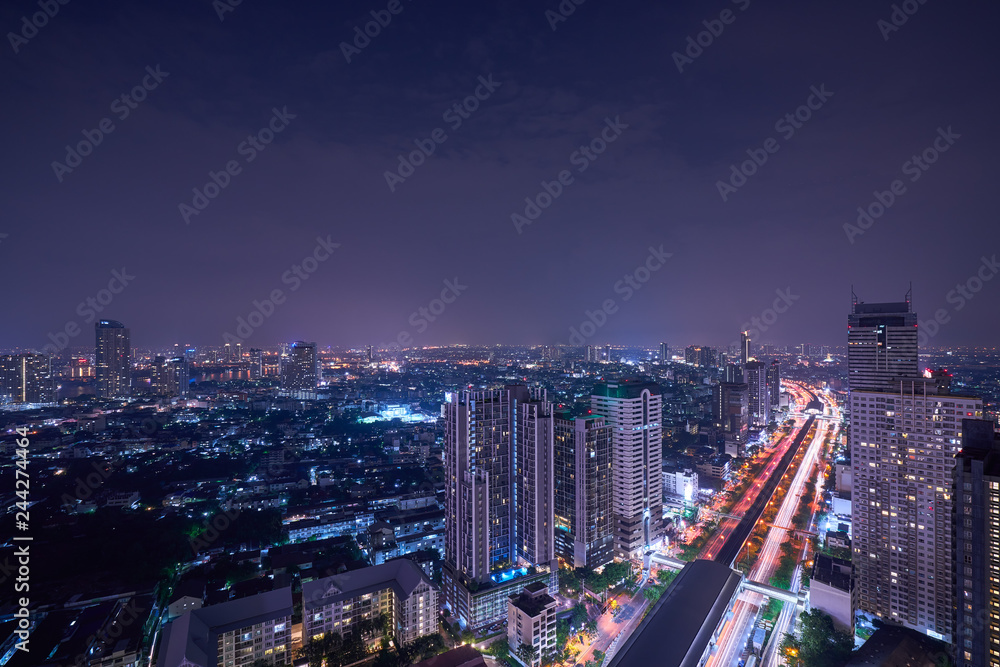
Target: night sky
[(881, 94)]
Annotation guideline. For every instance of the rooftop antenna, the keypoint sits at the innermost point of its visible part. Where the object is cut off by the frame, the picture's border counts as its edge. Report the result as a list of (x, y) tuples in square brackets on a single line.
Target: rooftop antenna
[(854, 299), (909, 298)]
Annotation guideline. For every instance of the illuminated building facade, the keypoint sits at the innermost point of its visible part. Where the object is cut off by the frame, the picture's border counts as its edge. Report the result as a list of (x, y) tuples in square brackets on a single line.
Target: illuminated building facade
[(633, 410), (584, 512), (113, 359)]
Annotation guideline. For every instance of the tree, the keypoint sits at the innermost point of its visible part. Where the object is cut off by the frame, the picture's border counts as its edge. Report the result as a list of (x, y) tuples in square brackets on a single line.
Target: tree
[(653, 593), (527, 653), (499, 649), (821, 645)]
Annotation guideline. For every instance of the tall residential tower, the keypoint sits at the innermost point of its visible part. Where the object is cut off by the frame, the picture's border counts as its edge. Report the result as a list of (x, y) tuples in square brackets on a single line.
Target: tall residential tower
[(634, 412), (113, 359)]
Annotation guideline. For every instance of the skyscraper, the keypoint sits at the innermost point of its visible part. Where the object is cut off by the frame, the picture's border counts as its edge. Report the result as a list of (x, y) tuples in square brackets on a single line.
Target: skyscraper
[(745, 347), (299, 369), (26, 378), (881, 344), (664, 353), (903, 447), (774, 384), (477, 457), (977, 546), (170, 377), (758, 395), (634, 412), (486, 503), (584, 514), (731, 410), (533, 489), (113, 360)]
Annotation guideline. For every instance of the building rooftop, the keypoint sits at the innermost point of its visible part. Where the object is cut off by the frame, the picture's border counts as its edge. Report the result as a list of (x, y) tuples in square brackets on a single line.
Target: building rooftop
[(892, 646), (687, 613), (191, 639), (403, 575), (835, 572), (625, 389), (533, 602)]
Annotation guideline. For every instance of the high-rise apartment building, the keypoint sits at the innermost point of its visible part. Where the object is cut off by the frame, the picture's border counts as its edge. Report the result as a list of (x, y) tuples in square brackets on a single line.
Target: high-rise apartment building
[(584, 515), (477, 457), (256, 361), (664, 353), (498, 499), (170, 377), (774, 384), (704, 357), (758, 395), (881, 345), (903, 447), (731, 411), (299, 368), (977, 546), (113, 359), (26, 378), (533, 489), (634, 412)]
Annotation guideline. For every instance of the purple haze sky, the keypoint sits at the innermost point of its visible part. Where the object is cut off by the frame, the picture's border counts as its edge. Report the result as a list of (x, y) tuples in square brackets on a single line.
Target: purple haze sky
[(656, 184)]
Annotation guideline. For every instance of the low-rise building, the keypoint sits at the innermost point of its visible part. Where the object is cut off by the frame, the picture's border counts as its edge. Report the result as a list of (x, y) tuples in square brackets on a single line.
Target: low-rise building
[(232, 634), (831, 592), (682, 483), (531, 621), (398, 590)]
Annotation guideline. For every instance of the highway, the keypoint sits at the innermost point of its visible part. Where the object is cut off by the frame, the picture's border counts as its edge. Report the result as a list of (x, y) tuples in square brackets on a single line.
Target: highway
[(733, 639), (778, 454)]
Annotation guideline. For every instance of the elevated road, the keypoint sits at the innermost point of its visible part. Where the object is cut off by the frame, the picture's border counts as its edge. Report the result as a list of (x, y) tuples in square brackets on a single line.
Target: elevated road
[(734, 543)]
